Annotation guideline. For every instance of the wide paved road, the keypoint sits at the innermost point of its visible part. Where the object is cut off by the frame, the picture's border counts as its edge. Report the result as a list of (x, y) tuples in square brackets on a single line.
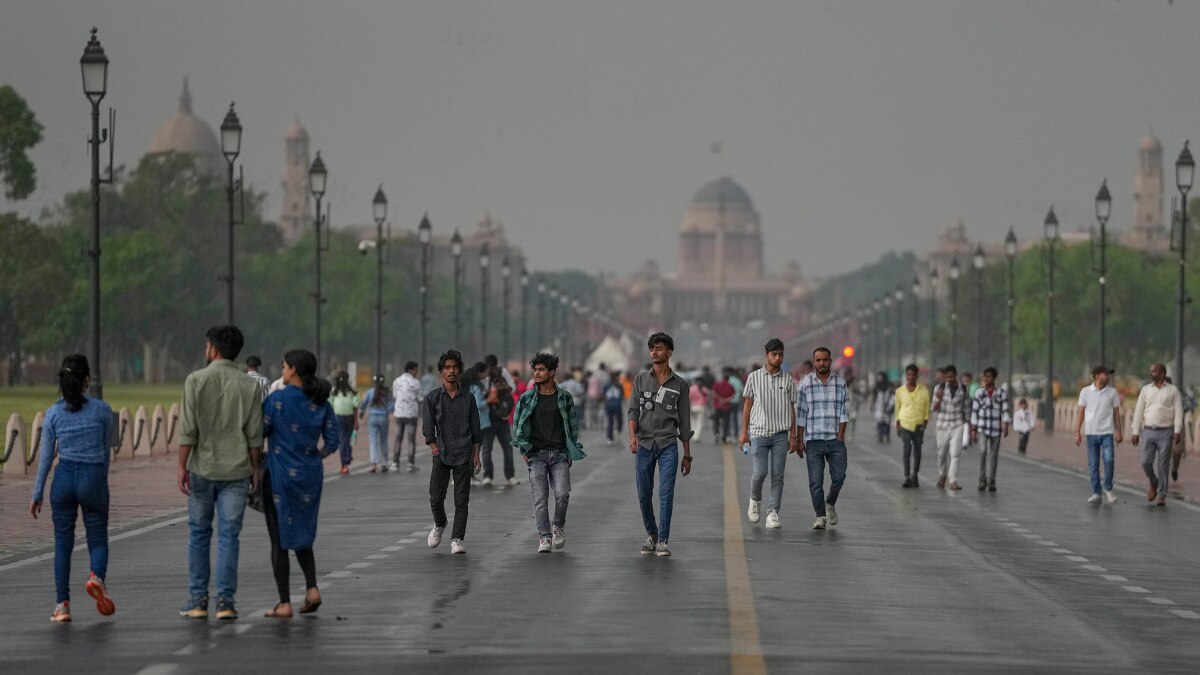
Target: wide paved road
[(1030, 578)]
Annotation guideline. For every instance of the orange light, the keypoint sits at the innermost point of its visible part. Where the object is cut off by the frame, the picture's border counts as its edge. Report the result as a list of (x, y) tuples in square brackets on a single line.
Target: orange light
[(848, 352)]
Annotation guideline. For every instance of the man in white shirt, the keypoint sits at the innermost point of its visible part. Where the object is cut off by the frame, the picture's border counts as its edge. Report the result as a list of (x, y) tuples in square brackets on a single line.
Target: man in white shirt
[(1099, 419), (406, 391), (1158, 419)]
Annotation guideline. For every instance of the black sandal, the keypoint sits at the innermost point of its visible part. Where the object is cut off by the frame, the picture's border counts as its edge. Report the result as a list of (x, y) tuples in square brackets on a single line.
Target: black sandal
[(309, 607)]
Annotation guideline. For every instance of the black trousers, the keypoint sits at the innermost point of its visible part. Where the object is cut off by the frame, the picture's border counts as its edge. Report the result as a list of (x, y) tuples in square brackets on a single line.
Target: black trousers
[(439, 480), (1023, 441), (498, 431), (912, 450), (279, 557)]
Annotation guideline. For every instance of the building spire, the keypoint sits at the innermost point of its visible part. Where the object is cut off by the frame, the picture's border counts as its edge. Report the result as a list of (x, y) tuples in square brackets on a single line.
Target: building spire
[(185, 98)]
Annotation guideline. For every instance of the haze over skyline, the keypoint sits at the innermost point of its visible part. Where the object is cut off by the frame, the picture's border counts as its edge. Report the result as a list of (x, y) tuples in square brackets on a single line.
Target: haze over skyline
[(856, 127)]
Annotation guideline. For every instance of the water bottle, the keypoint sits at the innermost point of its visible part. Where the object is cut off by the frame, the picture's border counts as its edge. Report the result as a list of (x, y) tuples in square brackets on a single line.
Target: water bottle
[(745, 449)]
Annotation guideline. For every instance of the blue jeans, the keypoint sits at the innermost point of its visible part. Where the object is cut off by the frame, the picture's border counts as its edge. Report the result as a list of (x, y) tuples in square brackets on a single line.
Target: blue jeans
[(1099, 447), (377, 431), (78, 486), (667, 459), (345, 434), (817, 453), (228, 499), (772, 450), (549, 470)]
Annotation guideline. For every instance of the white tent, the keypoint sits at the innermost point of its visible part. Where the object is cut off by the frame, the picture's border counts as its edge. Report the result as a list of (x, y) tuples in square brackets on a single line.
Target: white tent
[(609, 352)]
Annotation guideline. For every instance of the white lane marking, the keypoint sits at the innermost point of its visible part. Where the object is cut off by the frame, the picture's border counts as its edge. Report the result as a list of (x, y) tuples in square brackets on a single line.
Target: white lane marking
[(1061, 550), (407, 541), (1113, 577), (1081, 474), (1047, 543), (358, 565), (1135, 589), (158, 669), (337, 574), (1185, 614), (391, 549), (1094, 568), (83, 547), (243, 627), (1159, 601), (377, 556), (1032, 536), (1077, 558), (186, 651), (1021, 530)]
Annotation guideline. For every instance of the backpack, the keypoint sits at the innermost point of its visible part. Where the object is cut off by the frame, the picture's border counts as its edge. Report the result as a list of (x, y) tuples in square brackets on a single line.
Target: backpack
[(500, 398)]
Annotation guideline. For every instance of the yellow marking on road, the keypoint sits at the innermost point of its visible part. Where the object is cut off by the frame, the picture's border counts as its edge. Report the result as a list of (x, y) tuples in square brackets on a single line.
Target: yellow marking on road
[(745, 653)]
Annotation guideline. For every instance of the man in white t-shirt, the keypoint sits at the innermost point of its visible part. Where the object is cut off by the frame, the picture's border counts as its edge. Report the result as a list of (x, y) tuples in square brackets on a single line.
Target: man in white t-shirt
[(407, 394), (1099, 419)]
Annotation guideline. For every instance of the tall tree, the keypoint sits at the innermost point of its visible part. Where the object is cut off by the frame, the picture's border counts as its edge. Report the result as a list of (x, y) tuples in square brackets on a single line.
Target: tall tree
[(19, 131)]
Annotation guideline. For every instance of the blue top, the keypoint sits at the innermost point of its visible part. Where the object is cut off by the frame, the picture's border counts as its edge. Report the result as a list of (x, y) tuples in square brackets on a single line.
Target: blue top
[(294, 424), (485, 420), (374, 410), (80, 436)]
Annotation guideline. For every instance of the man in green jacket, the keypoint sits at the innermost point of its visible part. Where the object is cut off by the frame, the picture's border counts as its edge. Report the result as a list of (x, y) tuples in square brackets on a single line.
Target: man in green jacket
[(547, 434)]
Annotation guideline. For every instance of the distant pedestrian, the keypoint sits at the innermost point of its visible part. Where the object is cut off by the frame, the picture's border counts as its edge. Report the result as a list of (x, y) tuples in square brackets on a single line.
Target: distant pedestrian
[(296, 419), (912, 414), (1023, 423), (407, 396), (376, 406), (500, 402), (253, 363), (547, 434), (735, 410), (451, 427), (659, 420), (597, 382), (769, 426), (821, 418), (883, 407), (967, 380), (1099, 418), (989, 423), (722, 407), (474, 381), (1158, 421), (573, 385), (78, 429), (220, 447), (951, 406), (345, 403), (700, 396), (614, 400)]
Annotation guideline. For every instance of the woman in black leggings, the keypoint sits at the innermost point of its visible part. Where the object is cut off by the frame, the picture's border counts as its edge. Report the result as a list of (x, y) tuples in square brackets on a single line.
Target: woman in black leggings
[(296, 418)]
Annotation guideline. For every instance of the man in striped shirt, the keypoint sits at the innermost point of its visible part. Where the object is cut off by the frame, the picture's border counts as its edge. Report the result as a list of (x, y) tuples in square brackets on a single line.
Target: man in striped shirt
[(768, 425), (821, 418)]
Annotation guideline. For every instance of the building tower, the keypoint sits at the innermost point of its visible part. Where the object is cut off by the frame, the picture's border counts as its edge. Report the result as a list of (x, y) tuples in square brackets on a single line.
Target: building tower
[(1148, 232), (295, 216)]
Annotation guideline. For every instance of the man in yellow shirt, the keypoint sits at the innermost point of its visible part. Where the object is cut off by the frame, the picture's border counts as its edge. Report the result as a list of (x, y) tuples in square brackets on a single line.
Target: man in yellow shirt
[(912, 413)]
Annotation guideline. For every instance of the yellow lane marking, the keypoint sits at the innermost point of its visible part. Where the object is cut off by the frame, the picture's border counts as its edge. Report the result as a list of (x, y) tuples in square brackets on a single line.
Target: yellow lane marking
[(745, 654)]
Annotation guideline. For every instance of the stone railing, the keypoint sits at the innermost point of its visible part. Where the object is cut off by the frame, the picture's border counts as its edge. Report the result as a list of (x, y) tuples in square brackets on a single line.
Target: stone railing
[(138, 433)]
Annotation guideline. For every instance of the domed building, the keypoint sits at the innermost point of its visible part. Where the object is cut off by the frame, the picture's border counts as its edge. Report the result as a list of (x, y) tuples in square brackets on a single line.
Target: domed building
[(187, 134)]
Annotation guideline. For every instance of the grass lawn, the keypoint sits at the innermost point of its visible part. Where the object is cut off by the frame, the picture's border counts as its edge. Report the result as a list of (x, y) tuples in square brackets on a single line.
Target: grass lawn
[(29, 400)]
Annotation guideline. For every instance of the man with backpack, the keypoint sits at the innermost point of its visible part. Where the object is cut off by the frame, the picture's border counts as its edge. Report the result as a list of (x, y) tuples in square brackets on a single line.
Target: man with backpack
[(500, 408)]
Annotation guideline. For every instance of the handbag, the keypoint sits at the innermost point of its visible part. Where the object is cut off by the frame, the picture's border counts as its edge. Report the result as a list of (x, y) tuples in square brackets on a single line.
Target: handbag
[(254, 497)]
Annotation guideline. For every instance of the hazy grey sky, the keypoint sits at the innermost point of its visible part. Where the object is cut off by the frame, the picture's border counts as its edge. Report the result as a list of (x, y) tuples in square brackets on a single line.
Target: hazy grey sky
[(585, 126)]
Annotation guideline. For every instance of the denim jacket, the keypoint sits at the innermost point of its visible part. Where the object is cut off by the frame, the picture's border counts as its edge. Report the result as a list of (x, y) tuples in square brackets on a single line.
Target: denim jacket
[(522, 426)]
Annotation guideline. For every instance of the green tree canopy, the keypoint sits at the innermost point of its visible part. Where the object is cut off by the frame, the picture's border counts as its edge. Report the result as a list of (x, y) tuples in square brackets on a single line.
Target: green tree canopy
[(19, 131)]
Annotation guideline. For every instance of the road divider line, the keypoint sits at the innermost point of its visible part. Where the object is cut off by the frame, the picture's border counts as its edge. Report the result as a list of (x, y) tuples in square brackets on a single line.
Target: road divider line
[(745, 650)]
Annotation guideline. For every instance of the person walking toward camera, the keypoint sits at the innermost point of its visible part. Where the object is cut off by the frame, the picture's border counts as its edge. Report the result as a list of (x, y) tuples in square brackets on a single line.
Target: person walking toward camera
[(951, 405), (989, 422), (912, 414), (1157, 420), (821, 418), (76, 428), (451, 426), (1023, 423), (769, 426), (1099, 418)]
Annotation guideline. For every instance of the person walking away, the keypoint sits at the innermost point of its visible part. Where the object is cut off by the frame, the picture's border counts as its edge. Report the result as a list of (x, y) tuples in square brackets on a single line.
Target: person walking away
[(253, 363), (474, 382), (699, 395), (821, 418), (613, 404), (406, 396), (295, 419), (950, 404), (912, 414), (220, 447), (547, 435), (450, 423), (735, 409), (883, 406), (573, 385), (500, 405), (989, 422), (722, 404), (1023, 423), (769, 426), (967, 380), (1158, 420), (597, 381), (345, 402), (660, 419), (1099, 418), (376, 405), (78, 429)]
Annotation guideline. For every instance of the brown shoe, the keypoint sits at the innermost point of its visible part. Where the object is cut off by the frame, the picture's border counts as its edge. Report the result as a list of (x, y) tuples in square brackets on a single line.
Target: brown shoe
[(941, 482), (1160, 502), (1151, 494), (955, 486)]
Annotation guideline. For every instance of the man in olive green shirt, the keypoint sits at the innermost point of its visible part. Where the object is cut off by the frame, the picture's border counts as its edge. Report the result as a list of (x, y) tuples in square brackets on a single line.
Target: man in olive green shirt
[(220, 445)]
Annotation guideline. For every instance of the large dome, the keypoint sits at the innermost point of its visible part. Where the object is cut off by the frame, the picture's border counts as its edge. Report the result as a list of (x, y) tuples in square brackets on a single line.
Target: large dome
[(187, 134), (723, 191)]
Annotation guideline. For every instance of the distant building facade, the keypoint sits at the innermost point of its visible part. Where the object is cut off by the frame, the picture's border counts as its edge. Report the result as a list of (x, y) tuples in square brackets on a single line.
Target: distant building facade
[(1149, 232), (186, 134), (296, 211)]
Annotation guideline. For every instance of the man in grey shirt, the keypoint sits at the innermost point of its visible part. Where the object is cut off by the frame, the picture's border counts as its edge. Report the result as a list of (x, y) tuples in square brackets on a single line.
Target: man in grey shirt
[(660, 416), (451, 425)]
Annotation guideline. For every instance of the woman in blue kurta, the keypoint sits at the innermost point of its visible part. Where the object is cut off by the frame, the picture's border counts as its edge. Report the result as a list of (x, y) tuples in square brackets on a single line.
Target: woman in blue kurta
[(295, 418)]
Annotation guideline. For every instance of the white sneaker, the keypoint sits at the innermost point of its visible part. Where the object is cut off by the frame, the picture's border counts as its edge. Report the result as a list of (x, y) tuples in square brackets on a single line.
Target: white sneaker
[(435, 537), (514, 481), (456, 546), (560, 537), (1110, 496), (543, 545), (830, 515), (752, 512), (486, 481), (773, 521), (395, 466), (819, 523), (1094, 499)]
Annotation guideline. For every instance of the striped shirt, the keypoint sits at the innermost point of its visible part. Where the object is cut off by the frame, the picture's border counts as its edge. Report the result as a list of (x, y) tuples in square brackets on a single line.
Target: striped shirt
[(821, 406), (951, 412), (988, 413), (774, 398)]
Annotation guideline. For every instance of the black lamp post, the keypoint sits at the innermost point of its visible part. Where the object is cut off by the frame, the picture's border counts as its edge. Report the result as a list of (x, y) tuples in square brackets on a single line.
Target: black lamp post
[(231, 147), (1050, 226), (1185, 168), (954, 272), (977, 261), (379, 213), (94, 67), (916, 318), (317, 176), (1010, 251), (485, 279), (505, 274), (1103, 208), (877, 335), (541, 332), (898, 294), (456, 254), (524, 312), (933, 308), (887, 332), (424, 236)]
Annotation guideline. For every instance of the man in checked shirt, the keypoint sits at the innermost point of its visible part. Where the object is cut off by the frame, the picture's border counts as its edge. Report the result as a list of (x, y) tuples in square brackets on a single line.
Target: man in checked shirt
[(821, 418), (989, 419)]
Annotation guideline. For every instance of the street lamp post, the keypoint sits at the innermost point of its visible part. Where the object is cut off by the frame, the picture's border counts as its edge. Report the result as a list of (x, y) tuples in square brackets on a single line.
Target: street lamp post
[(977, 262), (485, 280), (954, 272), (880, 346), (541, 331), (1185, 168), (524, 312), (916, 317), (552, 308), (1103, 208), (1050, 226), (456, 254), (933, 308), (899, 296), (1010, 251), (887, 322), (317, 177), (424, 236), (94, 68), (564, 337), (505, 273), (379, 213), (231, 147)]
